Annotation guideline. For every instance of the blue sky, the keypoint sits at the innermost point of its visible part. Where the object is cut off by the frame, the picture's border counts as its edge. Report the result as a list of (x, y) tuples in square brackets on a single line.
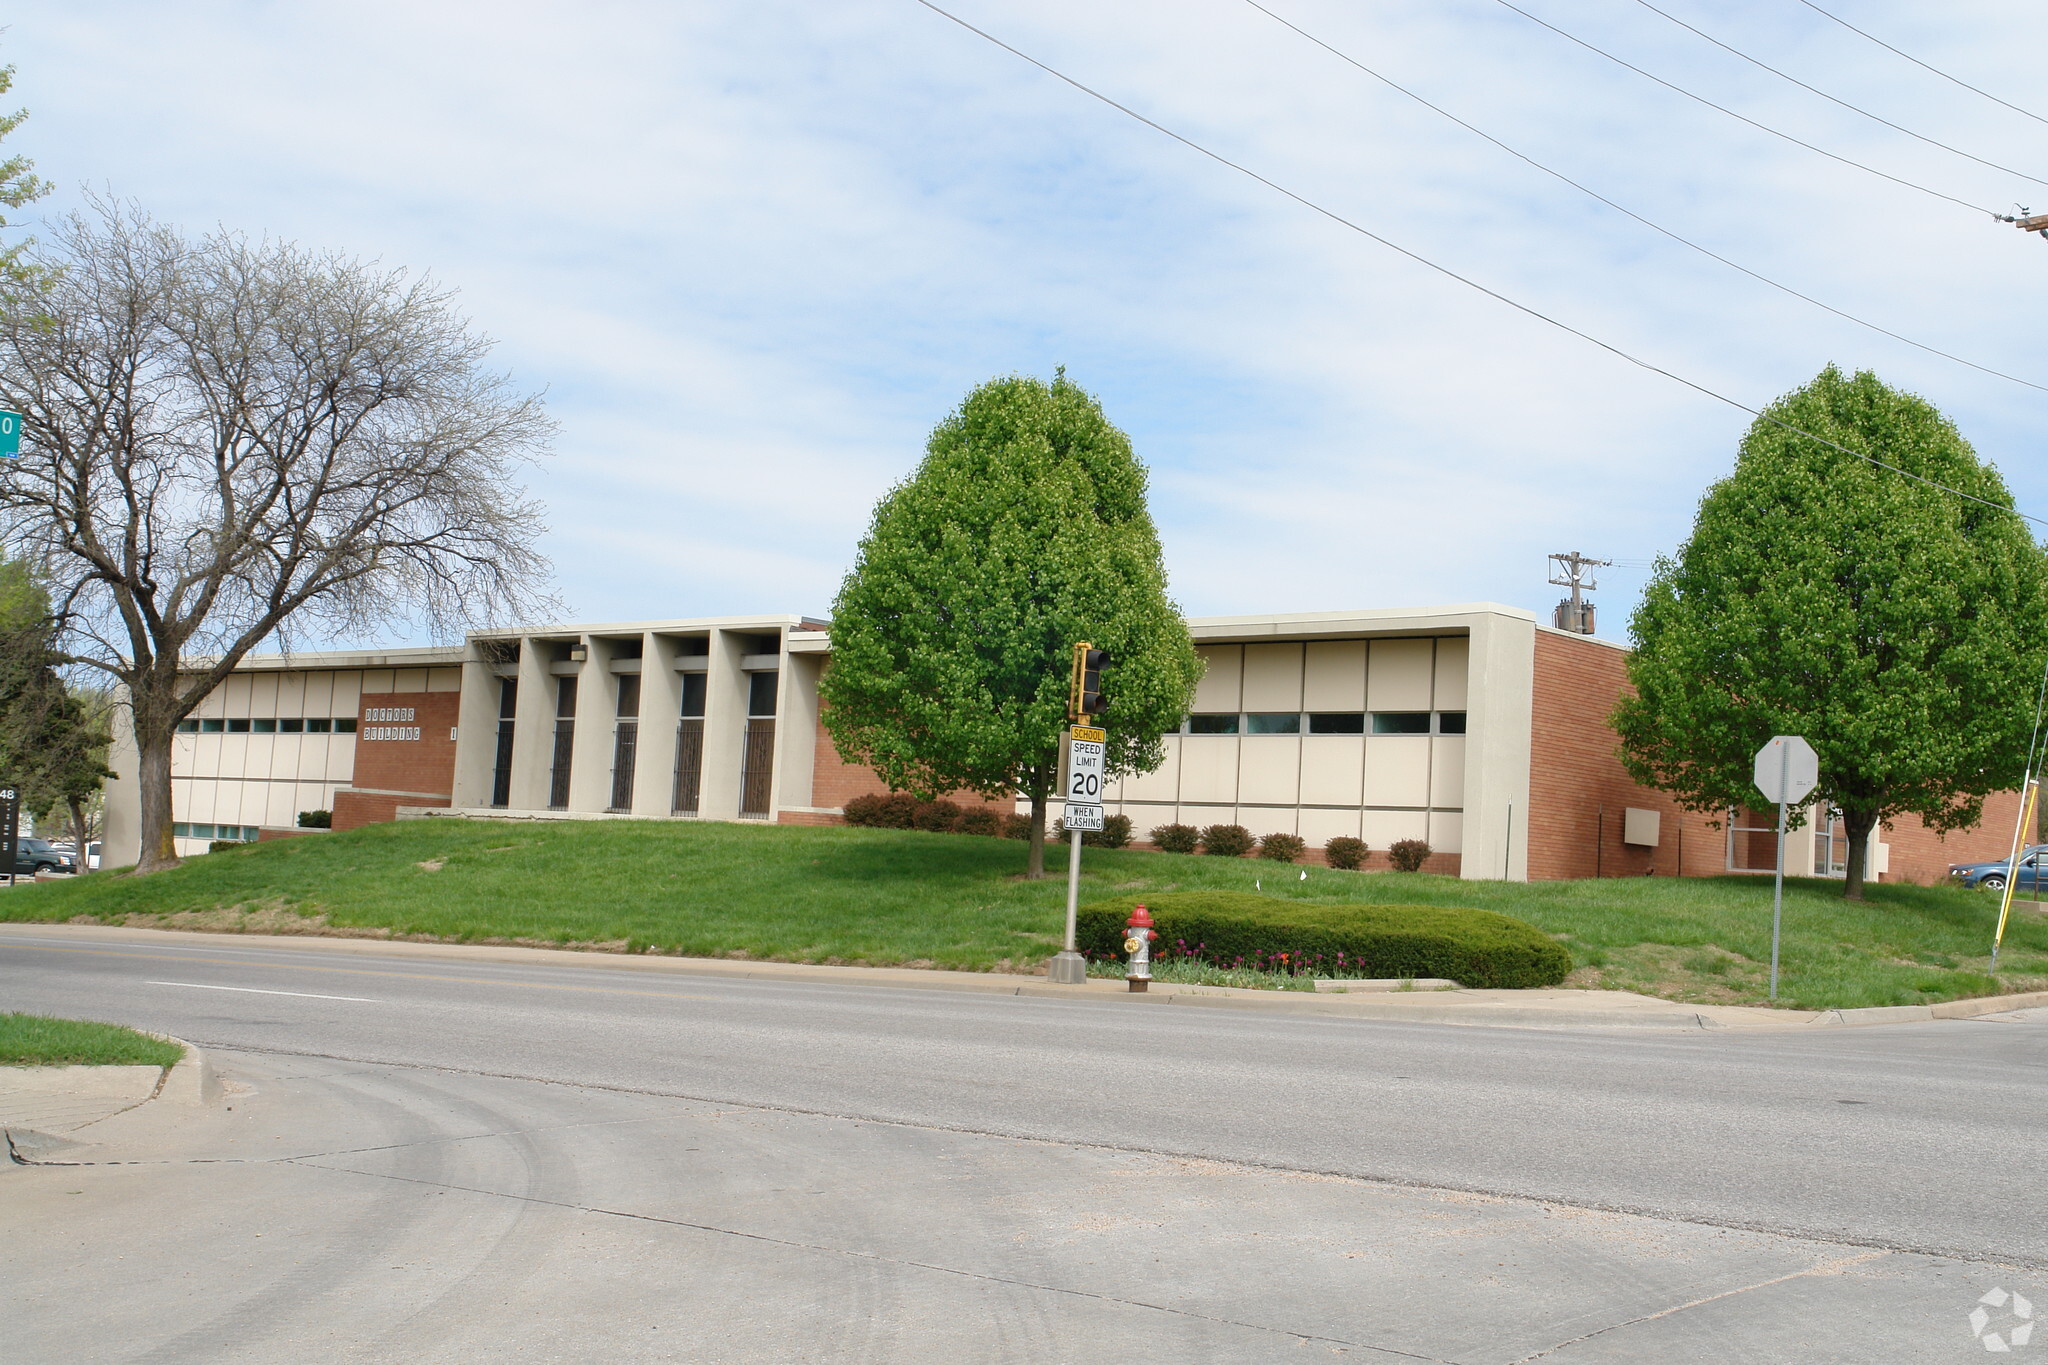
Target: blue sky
[(754, 252)]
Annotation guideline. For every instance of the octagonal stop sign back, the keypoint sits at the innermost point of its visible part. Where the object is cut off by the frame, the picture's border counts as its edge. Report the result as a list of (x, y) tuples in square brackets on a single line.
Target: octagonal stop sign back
[(1787, 770)]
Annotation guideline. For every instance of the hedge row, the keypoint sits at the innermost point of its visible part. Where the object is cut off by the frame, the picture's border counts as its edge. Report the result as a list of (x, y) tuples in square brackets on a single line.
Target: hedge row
[(901, 810), (1234, 841), (1475, 948)]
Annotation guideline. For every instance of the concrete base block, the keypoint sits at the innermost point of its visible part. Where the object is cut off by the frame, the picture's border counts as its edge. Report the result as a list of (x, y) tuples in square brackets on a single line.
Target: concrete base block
[(1067, 969)]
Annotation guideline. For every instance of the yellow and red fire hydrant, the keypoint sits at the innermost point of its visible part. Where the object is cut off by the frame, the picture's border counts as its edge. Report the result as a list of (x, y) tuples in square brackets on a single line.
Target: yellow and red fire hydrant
[(1138, 936)]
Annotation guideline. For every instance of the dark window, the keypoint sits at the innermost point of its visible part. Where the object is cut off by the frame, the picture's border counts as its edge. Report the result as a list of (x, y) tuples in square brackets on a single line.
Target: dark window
[(1337, 723), (263, 727), (629, 696), (238, 726), (761, 694), (1450, 722), (1400, 722), (689, 756), (508, 697), (693, 695), (1273, 723), (291, 726), (501, 767), (624, 749), (181, 830), (1217, 724), (319, 725), (558, 772), (757, 771), (694, 646), (188, 727), (565, 697), (211, 727), (344, 725)]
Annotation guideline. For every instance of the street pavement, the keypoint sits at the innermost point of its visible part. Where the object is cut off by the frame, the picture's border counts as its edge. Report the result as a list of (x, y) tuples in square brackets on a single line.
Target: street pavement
[(489, 1161)]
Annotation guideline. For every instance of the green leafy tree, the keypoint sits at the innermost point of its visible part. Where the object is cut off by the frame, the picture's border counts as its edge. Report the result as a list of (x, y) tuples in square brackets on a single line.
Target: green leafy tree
[(1900, 628), (53, 739), (1023, 532)]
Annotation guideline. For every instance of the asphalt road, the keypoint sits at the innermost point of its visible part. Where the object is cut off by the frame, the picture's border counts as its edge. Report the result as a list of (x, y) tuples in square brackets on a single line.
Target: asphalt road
[(1921, 1137)]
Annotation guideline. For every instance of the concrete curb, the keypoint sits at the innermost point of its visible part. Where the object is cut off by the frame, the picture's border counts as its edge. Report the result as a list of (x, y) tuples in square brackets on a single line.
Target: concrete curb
[(1511, 1009), (192, 1080)]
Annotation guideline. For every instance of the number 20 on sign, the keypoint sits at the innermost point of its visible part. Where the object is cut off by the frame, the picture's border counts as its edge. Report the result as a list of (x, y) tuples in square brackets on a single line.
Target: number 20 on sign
[(10, 433), (1084, 764)]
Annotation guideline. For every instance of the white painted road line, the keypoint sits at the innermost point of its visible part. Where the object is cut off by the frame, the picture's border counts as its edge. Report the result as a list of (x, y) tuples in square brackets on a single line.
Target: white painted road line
[(251, 990)]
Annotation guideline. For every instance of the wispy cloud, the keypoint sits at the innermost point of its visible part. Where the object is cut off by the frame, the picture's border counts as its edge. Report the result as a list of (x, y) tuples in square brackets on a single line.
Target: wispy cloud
[(755, 252)]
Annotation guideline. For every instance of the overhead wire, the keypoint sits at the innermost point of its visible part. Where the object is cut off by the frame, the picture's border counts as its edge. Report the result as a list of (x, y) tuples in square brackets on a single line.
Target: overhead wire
[(1465, 280), (1618, 208), (1954, 80), (1813, 89), (1741, 118)]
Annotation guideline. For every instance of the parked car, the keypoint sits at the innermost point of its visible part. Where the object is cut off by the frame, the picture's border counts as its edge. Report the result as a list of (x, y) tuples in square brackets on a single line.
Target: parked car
[(1991, 875), (40, 855), (92, 852)]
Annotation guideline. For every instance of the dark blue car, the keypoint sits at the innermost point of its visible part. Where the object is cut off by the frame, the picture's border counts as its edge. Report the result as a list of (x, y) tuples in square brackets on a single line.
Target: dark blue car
[(1991, 876)]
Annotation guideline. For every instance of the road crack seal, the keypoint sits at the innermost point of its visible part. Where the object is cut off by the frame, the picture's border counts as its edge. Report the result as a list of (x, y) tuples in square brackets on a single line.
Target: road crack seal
[(1835, 1266)]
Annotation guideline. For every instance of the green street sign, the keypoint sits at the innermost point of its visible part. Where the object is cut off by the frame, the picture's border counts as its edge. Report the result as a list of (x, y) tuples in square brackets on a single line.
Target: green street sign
[(10, 433)]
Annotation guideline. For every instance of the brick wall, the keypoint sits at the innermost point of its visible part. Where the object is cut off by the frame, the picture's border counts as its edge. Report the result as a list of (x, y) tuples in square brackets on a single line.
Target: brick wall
[(401, 759), (1920, 855), (834, 782), (1578, 791), (353, 809)]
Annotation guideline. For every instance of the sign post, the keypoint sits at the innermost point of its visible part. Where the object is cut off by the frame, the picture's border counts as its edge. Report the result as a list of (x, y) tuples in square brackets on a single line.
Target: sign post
[(1787, 771), (1086, 745), (10, 830)]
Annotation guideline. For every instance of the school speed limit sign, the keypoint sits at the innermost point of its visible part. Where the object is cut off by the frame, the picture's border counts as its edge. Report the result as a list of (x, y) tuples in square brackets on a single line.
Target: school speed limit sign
[(1083, 790)]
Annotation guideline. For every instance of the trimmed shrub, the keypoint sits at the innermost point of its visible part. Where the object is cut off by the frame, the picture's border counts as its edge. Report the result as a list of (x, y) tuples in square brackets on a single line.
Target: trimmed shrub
[(1345, 852), (1408, 855), (983, 820), (882, 810), (1016, 826), (1283, 848), (1227, 841), (1475, 948), (935, 817), (1115, 833), (316, 819), (219, 845), (1176, 838)]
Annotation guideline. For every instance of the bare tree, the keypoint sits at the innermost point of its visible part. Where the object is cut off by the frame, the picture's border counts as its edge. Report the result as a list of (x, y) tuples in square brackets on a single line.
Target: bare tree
[(226, 440)]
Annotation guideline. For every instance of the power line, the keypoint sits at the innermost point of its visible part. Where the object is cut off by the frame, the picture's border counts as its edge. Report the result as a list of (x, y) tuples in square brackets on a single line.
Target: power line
[(1876, 118), (1743, 118), (1654, 227), (1922, 65), (1469, 283)]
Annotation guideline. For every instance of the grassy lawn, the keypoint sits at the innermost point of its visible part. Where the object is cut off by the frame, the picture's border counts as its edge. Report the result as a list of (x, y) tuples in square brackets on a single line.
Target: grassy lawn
[(898, 897), (34, 1040)]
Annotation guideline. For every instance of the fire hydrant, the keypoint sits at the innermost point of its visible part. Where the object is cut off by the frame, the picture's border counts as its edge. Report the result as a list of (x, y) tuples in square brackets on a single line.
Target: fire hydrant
[(1138, 936)]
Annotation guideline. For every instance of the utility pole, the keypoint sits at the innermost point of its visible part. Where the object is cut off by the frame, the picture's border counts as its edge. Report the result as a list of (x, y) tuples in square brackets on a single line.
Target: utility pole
[(2026, 220), (1575, 613)]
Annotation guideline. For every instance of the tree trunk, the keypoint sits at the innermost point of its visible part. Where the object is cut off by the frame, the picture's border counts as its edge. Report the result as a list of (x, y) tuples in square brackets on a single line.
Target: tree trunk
[(78, 829), (1035, 788), (1861, 824), (153, 787)]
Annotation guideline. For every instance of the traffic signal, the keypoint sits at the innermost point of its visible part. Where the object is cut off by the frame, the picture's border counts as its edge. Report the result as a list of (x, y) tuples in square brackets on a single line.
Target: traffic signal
[(1085, 696)]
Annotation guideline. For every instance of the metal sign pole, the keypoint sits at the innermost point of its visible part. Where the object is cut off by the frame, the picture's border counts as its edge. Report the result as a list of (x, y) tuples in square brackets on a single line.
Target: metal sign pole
[(1073, 884), (1778, 902)]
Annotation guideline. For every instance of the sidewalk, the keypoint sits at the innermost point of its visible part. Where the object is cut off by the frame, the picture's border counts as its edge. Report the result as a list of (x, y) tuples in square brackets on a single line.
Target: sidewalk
[(1555, 1008)]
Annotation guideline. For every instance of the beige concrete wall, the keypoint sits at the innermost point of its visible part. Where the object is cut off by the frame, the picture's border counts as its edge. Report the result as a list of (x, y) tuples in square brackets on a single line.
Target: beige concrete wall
[(1378, 787)]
